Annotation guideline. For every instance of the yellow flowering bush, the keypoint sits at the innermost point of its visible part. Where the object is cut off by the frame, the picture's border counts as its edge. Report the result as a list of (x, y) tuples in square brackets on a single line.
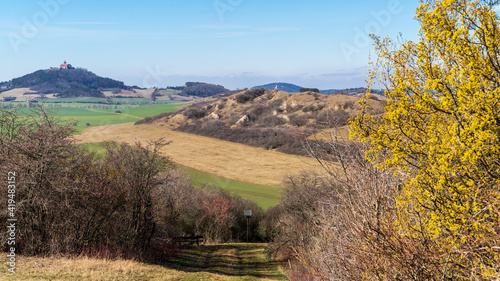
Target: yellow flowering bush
[(441, 133)]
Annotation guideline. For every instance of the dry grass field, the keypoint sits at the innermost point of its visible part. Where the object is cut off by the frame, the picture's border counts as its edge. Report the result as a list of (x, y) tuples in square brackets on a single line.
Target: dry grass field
[(221, 158), (19, 94), (145, 93)]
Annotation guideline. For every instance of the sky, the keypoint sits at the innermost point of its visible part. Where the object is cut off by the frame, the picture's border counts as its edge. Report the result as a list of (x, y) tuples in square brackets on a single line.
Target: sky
[(235, 43)]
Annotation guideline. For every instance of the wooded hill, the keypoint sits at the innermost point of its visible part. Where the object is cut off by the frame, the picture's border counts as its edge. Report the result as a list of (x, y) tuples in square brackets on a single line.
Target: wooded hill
[(67, 83)]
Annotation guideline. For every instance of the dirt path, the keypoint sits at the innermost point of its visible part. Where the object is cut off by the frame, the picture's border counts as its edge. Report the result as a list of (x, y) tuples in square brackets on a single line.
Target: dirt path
[(226, 262), (221, 158)]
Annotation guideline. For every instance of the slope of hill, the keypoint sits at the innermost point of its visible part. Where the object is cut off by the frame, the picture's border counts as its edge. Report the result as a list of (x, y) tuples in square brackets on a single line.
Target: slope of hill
[(285, 87), (273, 120), (66, 83), (224, 159)]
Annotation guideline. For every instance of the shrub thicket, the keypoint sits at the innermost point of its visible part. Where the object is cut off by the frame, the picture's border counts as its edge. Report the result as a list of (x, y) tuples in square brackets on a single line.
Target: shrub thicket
[(127, 201), (250, 95)]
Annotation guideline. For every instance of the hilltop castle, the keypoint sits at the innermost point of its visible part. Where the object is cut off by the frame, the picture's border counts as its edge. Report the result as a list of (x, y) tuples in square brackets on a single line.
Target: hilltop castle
[(64, 65)]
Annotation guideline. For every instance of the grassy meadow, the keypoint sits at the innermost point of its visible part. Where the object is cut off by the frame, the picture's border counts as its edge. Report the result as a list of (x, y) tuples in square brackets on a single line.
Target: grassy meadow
[(265, 196), (98, 115)]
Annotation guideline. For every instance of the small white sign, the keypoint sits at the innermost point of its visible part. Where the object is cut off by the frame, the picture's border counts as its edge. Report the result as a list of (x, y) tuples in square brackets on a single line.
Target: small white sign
[(248, 213)]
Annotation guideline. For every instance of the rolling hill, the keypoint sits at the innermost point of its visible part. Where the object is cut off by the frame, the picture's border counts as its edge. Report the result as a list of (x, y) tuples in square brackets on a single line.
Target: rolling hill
[(268, 119), (285, 87), (64, 83), (78, 82), (224, 159)]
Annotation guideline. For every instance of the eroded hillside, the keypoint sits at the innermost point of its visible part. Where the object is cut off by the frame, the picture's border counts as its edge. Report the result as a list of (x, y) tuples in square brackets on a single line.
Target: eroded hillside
[(269, 119)]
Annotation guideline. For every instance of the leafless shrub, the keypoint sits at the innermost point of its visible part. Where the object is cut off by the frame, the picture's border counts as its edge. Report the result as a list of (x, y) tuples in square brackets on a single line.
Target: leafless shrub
[(332, 118), (276, 103), (299, 120), (249, 95), (348, 105), (195, 112), (336, 223), (287, 140)]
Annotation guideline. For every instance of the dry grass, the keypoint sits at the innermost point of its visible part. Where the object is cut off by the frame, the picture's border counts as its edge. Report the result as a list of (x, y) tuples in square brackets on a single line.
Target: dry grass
[(19, 93), (221, 158), (37, 268), (144, 93), (341, 133), (226, 262)]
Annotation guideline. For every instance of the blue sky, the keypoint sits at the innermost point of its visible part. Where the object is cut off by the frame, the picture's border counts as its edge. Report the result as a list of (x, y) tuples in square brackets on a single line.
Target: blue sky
[(236, 43)]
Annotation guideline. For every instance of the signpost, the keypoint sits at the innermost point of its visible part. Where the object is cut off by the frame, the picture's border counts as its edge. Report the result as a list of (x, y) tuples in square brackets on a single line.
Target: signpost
[(248, 214)]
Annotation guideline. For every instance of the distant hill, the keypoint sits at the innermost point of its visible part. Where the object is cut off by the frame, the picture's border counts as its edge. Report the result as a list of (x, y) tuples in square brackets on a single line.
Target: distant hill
[(203, 90), (285, 87), (66, 83), (330, 91), (268, 119), (351, 91), (292, 88)]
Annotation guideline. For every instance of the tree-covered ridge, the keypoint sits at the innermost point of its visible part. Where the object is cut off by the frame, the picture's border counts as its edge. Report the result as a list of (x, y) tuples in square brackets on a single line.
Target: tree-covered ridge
[(67, 83), (203, 90)]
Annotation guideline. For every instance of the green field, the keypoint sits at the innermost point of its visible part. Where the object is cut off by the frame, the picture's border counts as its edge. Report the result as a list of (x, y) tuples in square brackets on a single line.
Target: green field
[(265, 196), (89, 115), (110, 101), (70, 100), (103, 117), (145, 111)]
